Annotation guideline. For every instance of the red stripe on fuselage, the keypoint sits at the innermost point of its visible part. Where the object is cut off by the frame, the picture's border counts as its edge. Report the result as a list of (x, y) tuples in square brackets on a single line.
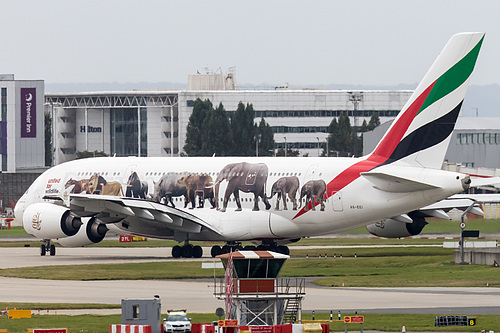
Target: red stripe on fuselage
[(381, 153)]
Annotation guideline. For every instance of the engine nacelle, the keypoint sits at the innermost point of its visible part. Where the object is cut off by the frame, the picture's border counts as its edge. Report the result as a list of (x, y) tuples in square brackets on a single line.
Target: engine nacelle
[(395, 229), (92, 232), (48, 221)]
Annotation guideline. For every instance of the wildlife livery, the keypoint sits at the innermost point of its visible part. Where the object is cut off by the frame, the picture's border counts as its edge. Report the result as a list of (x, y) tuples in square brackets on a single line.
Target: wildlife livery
[(270, 201)]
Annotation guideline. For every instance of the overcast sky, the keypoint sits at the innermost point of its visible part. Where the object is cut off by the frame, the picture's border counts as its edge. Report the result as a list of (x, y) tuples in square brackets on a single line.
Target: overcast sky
[(383, 42)]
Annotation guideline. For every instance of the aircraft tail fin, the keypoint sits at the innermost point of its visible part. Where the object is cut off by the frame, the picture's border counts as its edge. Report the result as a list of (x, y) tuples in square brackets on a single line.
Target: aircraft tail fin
[(420, 134)]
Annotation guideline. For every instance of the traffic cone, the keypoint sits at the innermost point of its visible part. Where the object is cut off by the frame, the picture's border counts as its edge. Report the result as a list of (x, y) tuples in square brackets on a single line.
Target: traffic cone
[(403, 330)]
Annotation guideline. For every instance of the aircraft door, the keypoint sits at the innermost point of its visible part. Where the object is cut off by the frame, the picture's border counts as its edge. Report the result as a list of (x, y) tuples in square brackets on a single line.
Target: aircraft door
[(311, 173), (337, 201), (200, 194)]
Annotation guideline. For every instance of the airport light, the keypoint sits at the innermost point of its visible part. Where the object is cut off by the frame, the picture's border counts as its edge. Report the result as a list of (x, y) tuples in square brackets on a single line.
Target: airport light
[(257, 138), (317, 138), (285, 145)]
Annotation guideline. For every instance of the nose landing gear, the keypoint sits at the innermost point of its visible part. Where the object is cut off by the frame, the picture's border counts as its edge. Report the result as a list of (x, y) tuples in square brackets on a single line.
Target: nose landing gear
[(47, 247)]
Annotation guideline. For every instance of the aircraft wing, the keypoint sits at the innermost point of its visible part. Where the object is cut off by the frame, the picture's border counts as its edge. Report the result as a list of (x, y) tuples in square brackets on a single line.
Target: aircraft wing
[(395, 183), (477, 182), (138, 215), (462, 202), (440, 208)]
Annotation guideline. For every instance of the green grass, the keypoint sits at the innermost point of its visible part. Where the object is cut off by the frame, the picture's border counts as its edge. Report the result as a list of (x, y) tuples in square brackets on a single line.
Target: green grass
[(391, 267), (363, 241), (56, 306), (129, 271), (14, 232), (80, 323), (378, 322), (372, 267), (412, 322), (443, 226)]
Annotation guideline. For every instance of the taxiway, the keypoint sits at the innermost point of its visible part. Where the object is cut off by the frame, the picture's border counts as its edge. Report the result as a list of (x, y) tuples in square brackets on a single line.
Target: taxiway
[(197, 295)]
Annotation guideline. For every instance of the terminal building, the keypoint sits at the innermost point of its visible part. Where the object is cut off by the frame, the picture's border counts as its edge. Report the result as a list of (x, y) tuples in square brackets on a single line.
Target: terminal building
[(21, 124), (153, 122)]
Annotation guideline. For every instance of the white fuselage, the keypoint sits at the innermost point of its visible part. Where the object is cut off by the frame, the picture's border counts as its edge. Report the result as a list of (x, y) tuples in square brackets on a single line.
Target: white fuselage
[(351, 200)]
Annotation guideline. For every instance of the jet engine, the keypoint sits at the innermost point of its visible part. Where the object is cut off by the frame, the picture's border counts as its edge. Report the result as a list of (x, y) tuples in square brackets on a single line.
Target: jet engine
[(390, 228), (48, 221), (92, 232)]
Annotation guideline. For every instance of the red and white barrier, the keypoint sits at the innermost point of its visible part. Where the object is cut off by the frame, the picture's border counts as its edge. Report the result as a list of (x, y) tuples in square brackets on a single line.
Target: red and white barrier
[(129, 329)]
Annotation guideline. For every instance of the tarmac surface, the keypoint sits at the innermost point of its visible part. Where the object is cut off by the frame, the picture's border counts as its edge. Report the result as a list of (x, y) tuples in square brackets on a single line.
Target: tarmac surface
[(197, 295)]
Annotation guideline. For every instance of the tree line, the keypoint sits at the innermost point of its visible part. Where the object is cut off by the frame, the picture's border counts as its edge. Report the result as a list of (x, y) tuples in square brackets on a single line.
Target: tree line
[(344, 140), (215, 131)]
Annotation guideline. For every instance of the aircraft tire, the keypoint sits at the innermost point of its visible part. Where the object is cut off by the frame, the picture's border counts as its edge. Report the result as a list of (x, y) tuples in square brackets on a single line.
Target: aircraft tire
[(42, 250), (197, 251), (52, 250), (250, 248), (176, 251), (187, 251), (215, 251), (283, 250), (225, 249)]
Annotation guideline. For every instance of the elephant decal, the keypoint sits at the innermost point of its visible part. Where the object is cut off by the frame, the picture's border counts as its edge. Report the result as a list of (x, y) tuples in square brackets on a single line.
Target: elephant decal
[(200, 186), (314, 191), (283, 187), (246, 177), (135, 187), (168, 187)]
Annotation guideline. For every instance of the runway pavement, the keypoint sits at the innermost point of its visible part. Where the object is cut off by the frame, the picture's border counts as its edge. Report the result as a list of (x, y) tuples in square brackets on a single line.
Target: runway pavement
[(197, 295)]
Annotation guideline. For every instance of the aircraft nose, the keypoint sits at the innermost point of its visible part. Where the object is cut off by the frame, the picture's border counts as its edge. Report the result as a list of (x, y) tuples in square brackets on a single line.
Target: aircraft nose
[(19, 211)]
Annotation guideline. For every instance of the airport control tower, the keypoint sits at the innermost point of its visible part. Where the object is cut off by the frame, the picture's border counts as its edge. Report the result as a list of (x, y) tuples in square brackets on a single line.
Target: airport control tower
[(259, 297)]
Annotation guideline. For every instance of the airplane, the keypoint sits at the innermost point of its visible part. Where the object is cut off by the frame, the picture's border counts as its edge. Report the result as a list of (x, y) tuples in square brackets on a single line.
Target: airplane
[(269, 201)]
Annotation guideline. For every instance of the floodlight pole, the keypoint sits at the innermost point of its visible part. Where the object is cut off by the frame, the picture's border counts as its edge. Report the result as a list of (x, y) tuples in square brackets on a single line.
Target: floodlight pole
[(462, 243), (285, 145)]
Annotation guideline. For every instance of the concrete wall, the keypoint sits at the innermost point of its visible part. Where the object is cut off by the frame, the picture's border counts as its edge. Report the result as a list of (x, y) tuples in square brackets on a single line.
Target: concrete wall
[(479, 256)]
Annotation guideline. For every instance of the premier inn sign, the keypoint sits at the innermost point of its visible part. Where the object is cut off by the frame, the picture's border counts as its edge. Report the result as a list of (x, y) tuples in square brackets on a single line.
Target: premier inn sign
[(28, 112)]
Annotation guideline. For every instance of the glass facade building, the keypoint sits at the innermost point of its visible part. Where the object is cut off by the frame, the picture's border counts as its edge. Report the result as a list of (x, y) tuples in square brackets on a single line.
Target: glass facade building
[(129, 132)]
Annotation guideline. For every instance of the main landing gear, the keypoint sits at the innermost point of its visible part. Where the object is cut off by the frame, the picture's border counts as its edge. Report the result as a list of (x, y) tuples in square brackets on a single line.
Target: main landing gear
[(187, 251), (267, 246), (47, 247), (190, 251)]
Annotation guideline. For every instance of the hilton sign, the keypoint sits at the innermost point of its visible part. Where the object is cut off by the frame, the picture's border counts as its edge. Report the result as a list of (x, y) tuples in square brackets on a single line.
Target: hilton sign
[(90, 129)]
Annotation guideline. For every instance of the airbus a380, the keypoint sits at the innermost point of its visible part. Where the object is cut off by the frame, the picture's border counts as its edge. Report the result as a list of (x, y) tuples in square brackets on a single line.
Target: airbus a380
[(270, 201)]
